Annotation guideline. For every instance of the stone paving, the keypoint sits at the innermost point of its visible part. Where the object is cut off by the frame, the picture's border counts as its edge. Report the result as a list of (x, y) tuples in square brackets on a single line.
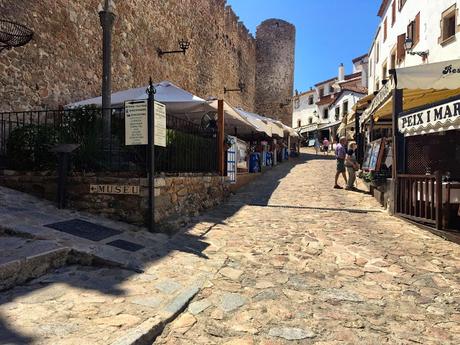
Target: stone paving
[(88, 292), (287, 260), (308, 264)]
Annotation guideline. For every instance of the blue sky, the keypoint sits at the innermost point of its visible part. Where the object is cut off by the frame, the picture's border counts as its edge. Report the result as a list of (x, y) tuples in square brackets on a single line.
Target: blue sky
[(328, 32)]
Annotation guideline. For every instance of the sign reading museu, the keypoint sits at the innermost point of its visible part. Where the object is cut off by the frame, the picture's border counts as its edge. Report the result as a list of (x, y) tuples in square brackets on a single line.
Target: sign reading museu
[(114, 189), (434, 119)]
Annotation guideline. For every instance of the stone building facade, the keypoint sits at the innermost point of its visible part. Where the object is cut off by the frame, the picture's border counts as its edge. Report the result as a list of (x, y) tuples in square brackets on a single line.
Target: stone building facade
[(63, 62), (274, 73)]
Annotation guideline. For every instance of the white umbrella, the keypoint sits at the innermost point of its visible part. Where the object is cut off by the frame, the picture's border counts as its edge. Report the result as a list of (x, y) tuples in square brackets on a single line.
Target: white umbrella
[(177, 100), (439, 75)]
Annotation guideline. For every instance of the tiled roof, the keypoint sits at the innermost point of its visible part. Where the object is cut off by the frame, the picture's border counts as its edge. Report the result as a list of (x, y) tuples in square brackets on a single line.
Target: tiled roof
[(352, 76), (326, 100), (359, 58), (383, 7), (326, 81)]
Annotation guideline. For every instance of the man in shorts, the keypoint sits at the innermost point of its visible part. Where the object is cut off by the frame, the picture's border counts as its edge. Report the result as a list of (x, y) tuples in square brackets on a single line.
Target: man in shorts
[(340, 154)]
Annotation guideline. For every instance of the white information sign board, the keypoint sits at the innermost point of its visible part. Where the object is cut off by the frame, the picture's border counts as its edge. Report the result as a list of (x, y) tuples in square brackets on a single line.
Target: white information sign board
[(136, 123), (160, 124)]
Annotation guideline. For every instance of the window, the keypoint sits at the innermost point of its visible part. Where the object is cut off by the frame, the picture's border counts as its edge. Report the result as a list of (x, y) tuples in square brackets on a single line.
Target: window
[(326, 114), (321, 92), (401, 49), (448, 24), (310, 120), (377, 85), (331, 89), (393, 13), (413, 30), (401, 4), (345, 108), (337, 113), (377, 48), (385, 30), (370, 68), (310, 100), (299, 123), (384, 71), (393, 60)]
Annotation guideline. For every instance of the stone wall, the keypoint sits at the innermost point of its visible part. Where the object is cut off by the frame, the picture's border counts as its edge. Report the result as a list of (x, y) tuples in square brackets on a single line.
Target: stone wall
[(275, 69), (63, 62), (175, 197)]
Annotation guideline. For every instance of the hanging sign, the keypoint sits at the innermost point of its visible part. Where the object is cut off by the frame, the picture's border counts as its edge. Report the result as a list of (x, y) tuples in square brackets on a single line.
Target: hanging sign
[(434, 119), (159, 133)]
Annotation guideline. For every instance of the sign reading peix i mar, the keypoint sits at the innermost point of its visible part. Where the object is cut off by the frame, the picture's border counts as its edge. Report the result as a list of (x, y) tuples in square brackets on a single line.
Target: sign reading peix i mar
[(430, 117), (136, 123)]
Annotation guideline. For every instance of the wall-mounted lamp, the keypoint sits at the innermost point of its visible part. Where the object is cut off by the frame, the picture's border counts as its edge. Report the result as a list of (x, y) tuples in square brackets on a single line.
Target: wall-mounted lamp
[(241, 88), (409, 44), (285, 104), (183, 45)]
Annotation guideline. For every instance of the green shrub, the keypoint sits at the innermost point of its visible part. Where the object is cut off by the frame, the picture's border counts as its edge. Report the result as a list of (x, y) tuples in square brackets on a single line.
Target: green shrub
[(28, 147)]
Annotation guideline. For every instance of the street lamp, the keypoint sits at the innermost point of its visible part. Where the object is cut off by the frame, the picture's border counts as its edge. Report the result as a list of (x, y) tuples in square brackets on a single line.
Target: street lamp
[(241, 87), (183, 45), (409, 44), (107, 18)]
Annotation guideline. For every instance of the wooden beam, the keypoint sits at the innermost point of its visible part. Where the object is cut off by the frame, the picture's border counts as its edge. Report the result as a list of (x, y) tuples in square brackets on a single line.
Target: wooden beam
[(221, 136), (397, 109)]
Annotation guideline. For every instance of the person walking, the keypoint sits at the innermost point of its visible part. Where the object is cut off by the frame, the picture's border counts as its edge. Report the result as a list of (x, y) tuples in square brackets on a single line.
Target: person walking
[(352, 166), (326, 146), (317, 145), (340, 155)]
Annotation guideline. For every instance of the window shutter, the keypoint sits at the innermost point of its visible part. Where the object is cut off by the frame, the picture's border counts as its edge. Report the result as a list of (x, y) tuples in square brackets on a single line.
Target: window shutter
[(400, 49), (393, 13), (417, 29)]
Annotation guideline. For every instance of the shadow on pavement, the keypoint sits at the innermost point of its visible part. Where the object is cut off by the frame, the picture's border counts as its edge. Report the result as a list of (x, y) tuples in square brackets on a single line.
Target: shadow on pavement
[(9, 336), (107, 280)]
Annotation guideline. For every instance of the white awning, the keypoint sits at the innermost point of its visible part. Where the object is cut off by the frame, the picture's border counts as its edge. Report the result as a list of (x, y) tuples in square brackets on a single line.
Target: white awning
[(438, 76), (441, 117), (233, 119), (258, 123), (177, 100)]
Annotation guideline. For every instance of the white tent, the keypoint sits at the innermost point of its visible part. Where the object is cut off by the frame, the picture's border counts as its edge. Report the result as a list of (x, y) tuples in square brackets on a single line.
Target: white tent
[(177, 100), (233, 119), (257, 123), (438, 76)]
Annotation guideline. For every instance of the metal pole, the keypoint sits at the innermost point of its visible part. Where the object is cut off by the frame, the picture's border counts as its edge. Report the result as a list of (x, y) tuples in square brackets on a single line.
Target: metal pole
[(107, 19), (151, 152)]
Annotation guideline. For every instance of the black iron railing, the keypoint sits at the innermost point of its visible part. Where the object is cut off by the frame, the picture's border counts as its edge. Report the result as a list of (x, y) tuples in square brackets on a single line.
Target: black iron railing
[(26, 138)]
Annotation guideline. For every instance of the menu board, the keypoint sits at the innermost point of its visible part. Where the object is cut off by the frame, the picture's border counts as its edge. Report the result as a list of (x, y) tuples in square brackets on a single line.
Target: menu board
[(373, 155)]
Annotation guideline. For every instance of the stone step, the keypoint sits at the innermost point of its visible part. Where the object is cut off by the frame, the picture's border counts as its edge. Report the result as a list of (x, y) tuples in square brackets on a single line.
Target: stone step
[(23, 259)]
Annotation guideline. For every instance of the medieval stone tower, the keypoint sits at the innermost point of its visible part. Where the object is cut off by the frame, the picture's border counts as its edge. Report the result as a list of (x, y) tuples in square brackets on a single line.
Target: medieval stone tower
[(275, 43)]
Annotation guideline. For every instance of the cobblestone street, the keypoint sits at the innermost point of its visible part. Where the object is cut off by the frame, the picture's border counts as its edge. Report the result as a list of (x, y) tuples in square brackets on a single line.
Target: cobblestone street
[(308, 264)]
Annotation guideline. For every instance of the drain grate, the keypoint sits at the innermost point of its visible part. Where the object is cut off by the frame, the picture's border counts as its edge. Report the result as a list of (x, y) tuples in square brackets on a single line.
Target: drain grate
[(84, 229), (126, 245)]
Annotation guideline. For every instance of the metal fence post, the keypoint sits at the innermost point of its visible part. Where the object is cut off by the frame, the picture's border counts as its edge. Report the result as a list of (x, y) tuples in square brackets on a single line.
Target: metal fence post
[(151, 153), (221, 136)]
